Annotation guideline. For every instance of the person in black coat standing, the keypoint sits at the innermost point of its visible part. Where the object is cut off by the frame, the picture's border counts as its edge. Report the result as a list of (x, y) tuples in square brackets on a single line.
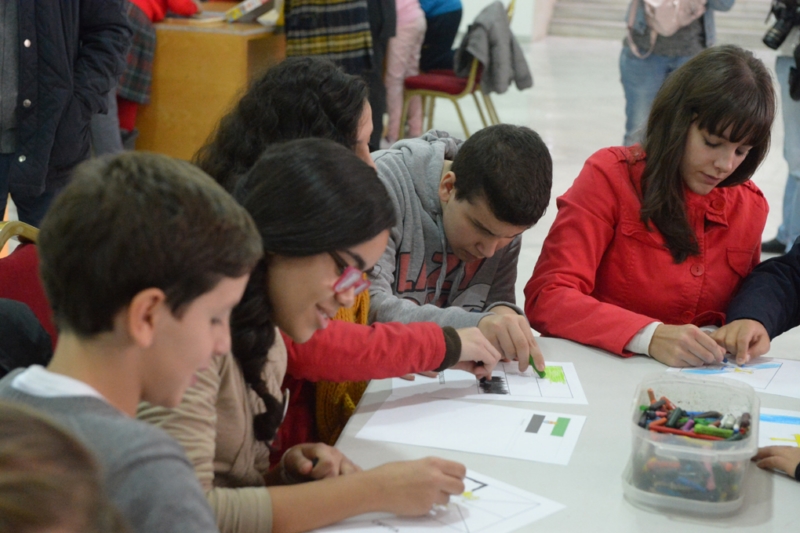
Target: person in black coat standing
[(58, 60), (767, 304)]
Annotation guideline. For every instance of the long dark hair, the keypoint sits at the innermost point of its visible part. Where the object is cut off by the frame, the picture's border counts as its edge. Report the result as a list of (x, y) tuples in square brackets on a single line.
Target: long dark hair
[(721, 87), (307, 197), (299, 98)]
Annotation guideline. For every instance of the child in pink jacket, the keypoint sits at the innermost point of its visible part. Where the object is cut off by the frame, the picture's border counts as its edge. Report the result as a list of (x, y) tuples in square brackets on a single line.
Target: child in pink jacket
[(402, 61)]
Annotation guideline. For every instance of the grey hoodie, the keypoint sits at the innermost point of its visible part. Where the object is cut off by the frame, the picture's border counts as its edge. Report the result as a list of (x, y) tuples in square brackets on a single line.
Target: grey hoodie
[(409, 283)]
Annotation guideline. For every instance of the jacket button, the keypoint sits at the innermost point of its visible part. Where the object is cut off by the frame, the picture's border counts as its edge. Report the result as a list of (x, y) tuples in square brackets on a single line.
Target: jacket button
[(26, 103), (26, 43), (697, 270), (687, 316), (22, 158), (718, 204)]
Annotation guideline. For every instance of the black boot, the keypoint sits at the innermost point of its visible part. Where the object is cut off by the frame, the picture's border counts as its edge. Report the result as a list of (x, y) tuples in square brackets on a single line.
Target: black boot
[(773, 247)]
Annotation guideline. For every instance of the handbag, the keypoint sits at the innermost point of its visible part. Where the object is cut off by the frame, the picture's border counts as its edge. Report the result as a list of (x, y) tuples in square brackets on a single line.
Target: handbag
[(664, 17)]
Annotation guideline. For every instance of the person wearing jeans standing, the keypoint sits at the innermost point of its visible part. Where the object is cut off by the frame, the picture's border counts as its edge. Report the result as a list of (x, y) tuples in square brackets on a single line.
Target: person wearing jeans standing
[(789, 229), (642, 77)]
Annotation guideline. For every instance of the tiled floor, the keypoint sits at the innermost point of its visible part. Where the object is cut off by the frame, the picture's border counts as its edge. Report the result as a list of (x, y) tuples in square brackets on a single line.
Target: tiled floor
[(577, 106)]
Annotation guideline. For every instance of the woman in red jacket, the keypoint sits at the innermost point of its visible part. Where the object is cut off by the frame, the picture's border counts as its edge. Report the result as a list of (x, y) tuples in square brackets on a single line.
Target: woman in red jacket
[(651, 242)]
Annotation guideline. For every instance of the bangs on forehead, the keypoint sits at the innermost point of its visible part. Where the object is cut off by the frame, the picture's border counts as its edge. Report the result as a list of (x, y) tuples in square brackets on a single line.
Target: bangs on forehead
[(749, 119)]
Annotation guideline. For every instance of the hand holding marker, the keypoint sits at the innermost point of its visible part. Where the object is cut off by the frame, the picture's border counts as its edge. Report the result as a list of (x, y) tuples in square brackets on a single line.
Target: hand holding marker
[(540, 373)]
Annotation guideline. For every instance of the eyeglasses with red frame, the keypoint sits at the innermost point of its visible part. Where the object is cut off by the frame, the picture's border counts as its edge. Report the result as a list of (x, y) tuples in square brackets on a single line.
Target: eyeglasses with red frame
[(350, 277)]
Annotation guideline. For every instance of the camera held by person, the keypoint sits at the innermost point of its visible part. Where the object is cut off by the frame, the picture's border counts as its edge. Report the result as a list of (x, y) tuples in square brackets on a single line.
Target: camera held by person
[(787, 14)]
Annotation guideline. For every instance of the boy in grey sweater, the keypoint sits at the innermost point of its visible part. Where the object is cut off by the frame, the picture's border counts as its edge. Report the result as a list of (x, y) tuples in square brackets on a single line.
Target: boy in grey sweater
[(461, 210), (142, 258)]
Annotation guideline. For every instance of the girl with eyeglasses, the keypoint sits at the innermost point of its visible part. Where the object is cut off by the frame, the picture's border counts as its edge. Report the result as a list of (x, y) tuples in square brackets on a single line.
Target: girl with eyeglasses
[(324, 218)]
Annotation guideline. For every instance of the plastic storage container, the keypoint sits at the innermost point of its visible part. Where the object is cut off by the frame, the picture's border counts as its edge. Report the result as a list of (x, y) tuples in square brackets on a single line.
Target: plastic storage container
[(678, 473)]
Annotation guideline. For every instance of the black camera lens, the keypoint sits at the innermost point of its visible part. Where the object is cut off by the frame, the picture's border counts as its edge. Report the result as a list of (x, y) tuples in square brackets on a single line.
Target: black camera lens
[(787, 14), (777, 34)]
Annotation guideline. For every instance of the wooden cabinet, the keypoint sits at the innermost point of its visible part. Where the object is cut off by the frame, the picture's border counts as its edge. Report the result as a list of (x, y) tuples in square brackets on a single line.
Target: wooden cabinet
[(199, 72)]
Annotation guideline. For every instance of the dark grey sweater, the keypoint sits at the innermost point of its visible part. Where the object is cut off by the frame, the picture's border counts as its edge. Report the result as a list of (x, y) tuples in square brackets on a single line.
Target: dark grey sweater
[(148, 476)]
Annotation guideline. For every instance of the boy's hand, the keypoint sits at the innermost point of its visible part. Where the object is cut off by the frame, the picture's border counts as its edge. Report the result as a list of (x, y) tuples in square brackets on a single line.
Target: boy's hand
[(745, 338), (511, 334), (783, 458), (686, 345), (305, 462), (411, 488), (478, 356)]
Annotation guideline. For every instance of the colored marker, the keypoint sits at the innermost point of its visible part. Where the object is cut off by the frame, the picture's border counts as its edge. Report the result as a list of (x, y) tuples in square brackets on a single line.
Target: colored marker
[(540, 373)]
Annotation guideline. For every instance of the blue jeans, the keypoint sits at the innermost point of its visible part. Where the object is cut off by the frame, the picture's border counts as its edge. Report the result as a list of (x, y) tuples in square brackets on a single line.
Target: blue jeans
[(790, 227), (30, 209), (641, 80), (106, 138), (437, 48)]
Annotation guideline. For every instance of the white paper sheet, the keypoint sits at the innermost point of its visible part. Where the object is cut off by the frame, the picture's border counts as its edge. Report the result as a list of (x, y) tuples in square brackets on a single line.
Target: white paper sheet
[(778, 427), (487, 506), (561, 385), (766, 374), (491, 429)]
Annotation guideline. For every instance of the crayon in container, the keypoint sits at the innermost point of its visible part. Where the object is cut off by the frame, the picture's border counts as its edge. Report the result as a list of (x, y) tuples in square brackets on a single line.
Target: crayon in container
[(670, 472)]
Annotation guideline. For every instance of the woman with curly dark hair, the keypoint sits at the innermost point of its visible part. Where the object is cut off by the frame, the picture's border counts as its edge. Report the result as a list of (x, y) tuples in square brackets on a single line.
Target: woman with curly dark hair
[(651, 242), (299, 98)]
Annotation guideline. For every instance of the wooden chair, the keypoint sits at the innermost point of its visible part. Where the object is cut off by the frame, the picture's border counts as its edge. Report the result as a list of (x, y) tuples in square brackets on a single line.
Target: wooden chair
[(19, 274), (13, 228), (445, 84)]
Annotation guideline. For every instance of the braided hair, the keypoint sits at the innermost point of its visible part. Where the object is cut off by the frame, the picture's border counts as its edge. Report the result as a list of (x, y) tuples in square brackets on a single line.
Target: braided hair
[(307, 197)]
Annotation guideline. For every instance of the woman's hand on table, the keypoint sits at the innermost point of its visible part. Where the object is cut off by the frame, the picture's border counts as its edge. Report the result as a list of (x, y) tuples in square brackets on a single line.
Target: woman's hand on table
[(412, 488), (745, 339), (682, 346), (305, 462)]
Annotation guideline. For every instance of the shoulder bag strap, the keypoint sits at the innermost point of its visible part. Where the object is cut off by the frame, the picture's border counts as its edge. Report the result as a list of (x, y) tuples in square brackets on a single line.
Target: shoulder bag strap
[(631, 20)]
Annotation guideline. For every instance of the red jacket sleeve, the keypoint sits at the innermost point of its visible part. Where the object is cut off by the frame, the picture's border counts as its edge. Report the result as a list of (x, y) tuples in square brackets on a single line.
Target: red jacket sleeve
[(351, 352), (185, 8), (558, 297)]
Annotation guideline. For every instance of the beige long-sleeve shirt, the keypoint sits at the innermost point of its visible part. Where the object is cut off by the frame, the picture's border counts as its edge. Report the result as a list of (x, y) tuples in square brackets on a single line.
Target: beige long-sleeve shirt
[(214, 424)]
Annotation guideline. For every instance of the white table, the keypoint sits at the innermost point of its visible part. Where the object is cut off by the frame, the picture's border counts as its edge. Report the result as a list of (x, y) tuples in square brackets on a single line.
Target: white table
[(590, 486)]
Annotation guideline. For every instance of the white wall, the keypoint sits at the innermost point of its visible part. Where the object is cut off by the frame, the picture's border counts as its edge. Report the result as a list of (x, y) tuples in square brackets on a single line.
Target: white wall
[(521, 24)]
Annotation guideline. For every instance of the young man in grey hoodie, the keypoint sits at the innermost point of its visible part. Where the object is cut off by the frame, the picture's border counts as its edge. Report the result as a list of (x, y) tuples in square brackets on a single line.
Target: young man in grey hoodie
[(462, 208)]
